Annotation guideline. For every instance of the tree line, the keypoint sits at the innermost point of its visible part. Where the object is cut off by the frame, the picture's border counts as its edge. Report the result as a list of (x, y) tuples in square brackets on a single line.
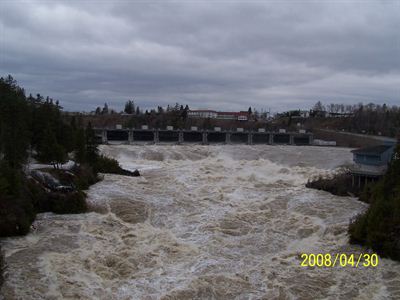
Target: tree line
[(33, 127), (368, 118)]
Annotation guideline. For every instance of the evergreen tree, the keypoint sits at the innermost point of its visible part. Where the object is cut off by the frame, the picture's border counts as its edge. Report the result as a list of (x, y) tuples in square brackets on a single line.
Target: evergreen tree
[(129, 107), (51, 151), (105, 109), (14, 123), (318, 107), (80, 146), (91, 144)]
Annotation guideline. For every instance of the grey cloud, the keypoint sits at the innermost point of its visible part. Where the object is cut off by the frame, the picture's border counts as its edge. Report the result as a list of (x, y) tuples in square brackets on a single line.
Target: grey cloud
[(208, 54)]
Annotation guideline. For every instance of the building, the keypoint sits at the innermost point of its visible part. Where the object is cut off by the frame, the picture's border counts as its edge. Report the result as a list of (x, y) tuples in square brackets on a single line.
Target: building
[(304, 113), (339, 115), (370, 163), (239, 116), (212, 114)]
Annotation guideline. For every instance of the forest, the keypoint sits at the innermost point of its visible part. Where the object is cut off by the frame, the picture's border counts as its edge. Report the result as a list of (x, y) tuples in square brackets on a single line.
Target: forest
[(32, 129)]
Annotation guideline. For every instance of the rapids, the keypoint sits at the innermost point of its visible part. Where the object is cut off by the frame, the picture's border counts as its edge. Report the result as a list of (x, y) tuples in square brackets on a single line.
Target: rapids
[(203, 222)]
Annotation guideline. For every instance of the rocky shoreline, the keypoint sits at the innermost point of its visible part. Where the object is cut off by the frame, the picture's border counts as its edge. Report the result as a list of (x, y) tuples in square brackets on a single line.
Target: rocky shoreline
[(50, 190), (339, 185)]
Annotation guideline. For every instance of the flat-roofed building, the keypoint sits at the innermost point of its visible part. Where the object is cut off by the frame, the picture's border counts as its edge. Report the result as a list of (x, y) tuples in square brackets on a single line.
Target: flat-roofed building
[(239, 116), (202, 113), (371, 162)]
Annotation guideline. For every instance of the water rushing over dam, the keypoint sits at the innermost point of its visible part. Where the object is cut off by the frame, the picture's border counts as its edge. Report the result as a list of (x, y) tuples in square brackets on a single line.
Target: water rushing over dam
[(203, 222), (205, 137)]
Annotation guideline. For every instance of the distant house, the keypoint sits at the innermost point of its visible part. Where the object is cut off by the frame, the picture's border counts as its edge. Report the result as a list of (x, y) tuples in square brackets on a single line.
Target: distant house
[(205, 113), (239, 116), (305, 113), (339, 115), (370, 162), (318, 113), (212, 114)]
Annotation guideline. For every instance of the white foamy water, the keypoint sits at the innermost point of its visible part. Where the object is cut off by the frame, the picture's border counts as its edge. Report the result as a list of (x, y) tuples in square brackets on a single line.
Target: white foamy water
[(203, 222)]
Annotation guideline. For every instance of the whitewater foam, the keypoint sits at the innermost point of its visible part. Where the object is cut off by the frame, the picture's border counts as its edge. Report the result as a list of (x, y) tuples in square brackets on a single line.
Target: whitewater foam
[(203, 222)]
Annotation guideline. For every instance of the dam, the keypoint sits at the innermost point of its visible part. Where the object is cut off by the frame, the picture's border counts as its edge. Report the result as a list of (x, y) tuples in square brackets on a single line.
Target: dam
[(205, 137)]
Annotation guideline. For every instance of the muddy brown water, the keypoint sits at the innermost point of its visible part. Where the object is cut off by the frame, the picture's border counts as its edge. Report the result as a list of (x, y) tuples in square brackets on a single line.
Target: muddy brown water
[(203, 222)]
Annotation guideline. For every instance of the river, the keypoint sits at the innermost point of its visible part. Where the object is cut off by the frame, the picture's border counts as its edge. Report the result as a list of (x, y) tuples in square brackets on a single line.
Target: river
[(202, 222)]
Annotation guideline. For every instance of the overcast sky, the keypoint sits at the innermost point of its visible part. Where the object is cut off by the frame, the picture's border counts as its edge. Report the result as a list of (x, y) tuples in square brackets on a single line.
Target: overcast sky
[(220, 55)]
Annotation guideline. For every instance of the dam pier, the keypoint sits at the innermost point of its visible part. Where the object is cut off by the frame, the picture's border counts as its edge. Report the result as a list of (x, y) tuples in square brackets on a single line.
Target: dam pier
[(205, 137)]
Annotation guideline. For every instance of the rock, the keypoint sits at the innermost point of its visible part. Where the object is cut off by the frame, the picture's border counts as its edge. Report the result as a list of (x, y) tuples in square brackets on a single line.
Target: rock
[(136, 173)]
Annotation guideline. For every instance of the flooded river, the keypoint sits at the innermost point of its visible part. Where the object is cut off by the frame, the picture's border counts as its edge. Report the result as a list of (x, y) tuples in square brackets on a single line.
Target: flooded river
[(203, 222)]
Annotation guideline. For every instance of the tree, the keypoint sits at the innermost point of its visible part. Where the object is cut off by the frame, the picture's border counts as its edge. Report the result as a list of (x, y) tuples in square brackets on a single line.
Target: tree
[(51, 151), (80, 146), (14, 123), (91, 144), (129, 107), (318, 106), (105, 109), (137, 111)]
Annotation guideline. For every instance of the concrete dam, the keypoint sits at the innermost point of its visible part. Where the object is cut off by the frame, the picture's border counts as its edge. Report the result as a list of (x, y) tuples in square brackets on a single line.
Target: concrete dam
[(205, 137)]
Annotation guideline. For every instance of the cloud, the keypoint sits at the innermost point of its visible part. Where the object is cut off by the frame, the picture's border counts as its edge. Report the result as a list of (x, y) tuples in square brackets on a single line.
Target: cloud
[(208, 54)]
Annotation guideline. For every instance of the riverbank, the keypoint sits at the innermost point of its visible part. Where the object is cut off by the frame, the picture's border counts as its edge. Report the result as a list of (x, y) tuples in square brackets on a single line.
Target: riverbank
[(51, 190), (379, 227), (47, 189), (339, 184)]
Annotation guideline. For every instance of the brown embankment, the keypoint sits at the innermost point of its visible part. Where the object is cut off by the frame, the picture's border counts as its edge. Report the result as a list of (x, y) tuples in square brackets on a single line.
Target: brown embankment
[(347, 139)]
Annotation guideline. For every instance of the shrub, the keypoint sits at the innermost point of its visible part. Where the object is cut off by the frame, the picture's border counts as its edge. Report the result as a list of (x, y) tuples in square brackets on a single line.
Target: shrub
[(85, 176), (104, 164), (16, 210), (16, 215), (71, 203)]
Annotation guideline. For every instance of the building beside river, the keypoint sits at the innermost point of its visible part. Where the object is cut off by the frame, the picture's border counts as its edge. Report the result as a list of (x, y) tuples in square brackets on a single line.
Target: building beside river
[(370, 163)]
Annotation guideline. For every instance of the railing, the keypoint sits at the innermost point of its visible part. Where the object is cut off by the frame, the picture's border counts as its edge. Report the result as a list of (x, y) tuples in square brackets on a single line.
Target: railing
[(362, 169)]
